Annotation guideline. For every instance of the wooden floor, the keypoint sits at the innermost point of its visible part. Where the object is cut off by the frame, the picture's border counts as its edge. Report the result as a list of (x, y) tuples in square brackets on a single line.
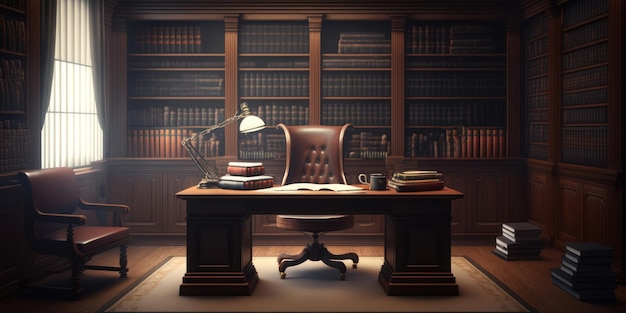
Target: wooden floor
[(528, 279)]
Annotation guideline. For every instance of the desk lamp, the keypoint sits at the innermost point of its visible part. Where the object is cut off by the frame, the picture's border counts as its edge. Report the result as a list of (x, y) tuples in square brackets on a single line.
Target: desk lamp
[(250, 123)]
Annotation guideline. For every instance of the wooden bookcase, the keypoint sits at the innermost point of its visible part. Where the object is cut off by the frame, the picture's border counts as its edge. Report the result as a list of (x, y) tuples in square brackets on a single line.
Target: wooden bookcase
[(455, 85), (574, 121), (175, 87), (15, 145), (324, 66), (537, 96), (585, 78)]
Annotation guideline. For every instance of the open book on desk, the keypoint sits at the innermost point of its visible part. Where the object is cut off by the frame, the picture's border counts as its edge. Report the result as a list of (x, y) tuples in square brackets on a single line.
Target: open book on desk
[(314, 187)]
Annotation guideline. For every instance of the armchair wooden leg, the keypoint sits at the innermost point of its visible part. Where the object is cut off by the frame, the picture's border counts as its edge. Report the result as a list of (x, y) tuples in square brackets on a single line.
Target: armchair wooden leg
[(77, 272), (123, 261)]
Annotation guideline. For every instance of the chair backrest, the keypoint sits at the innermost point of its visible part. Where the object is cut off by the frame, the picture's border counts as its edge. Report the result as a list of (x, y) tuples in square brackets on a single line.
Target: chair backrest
[(314, 154), (53, 190)]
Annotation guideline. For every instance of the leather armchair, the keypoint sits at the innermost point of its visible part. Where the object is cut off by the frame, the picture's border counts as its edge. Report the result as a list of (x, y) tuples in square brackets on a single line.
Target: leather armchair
[(52, 226)]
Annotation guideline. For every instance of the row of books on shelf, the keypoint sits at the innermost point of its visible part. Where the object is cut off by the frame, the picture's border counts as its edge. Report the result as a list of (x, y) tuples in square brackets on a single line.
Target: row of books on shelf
[(181, 85), (586, 272), (595, 54), (368, 145), (167, 143), (537, 101), (462, 112), (538, 132), (15, 149), (416, 180), (578, 11), (590, 115), (273, 38), (580, 36), (455, 84), (587, 78), (168, 39), (594, 96), (536, 26), (537, 85), (174, 62), (365, 145), (356, 61), (13, 34), (16, 4), (167, 116), (537, 47), (274, 84), (538, 66), (450, 39), (261, 146), (457, 143), (538, 116), (372, 113), (273, 113), (519, 241), (245, 175), (363, 42), (447, 62), (585, 145), (12, 124), (273, 63), (366, 84), (12, 96)]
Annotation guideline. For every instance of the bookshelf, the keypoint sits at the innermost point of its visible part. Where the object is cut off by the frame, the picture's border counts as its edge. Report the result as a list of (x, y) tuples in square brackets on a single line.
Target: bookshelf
[(15, 142), (455, 87), (537, 95), (176, 83), (585, 75), (273, 77), (356, 84)]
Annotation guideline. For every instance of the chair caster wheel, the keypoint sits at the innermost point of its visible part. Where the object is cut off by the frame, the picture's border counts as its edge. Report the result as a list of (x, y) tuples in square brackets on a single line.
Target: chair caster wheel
[(342, 276), (283, 275), (353, 265)]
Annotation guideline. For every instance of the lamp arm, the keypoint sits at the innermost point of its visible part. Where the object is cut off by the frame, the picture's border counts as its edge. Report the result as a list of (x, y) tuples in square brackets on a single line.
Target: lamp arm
[(196, 156)]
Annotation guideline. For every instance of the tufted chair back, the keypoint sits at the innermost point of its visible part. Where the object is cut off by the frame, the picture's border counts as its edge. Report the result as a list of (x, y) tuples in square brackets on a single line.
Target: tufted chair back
[(314, 154)]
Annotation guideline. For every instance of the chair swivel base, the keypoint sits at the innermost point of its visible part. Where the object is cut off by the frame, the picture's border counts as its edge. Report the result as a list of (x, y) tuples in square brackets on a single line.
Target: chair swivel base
[(316, 252)]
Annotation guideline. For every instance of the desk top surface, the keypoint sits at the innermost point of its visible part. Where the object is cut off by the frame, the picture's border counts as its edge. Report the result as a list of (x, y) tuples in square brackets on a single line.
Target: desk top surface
[(197, 193)]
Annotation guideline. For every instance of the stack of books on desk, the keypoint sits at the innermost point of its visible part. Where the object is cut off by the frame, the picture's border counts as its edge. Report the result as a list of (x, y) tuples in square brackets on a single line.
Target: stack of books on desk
[(418, 180), (585, 272), (519, 241), (245, 175)]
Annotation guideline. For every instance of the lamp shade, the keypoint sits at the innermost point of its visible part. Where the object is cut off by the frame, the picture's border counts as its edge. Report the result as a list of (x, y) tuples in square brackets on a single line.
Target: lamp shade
[(251, 123)]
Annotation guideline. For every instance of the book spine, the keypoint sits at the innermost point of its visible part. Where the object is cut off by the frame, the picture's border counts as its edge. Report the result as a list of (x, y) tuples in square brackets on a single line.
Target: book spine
[(246, 171)]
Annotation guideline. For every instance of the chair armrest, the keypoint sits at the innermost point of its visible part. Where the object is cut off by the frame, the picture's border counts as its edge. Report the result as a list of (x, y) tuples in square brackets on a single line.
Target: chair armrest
[(116, 208), (75, 219)]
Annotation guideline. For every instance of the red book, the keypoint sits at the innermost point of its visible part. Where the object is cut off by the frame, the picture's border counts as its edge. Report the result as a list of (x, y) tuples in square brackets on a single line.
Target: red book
[(245, 168)]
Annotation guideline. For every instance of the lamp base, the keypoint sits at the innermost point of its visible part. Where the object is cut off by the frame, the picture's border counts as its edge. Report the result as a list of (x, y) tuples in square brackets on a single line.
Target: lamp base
[(207, 183)]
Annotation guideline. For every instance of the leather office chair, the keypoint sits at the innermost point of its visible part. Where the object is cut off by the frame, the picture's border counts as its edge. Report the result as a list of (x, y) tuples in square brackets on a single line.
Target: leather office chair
[(315, 155), (53, 228)]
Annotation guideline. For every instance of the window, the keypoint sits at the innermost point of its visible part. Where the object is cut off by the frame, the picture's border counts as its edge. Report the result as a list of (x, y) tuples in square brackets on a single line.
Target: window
[(72, 135)]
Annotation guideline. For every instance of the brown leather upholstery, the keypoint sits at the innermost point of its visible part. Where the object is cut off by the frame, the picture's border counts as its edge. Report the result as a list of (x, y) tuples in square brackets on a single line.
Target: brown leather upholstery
[(53, 227), (314, 155)]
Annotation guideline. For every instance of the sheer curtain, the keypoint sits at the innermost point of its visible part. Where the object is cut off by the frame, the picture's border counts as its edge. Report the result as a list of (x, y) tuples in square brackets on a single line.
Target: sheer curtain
[(72, 135)]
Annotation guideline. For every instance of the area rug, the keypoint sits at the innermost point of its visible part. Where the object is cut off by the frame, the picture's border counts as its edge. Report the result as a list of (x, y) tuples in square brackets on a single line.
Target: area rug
[(314, 287)]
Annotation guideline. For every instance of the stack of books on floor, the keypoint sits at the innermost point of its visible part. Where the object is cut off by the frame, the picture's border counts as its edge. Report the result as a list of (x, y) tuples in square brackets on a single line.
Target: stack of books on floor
[(519, 241), (418, 180), (585, 272), (245, 175)]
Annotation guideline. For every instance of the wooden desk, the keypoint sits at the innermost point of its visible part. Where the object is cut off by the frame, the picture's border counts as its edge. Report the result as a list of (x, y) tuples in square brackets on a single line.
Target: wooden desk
[(219, 236)]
